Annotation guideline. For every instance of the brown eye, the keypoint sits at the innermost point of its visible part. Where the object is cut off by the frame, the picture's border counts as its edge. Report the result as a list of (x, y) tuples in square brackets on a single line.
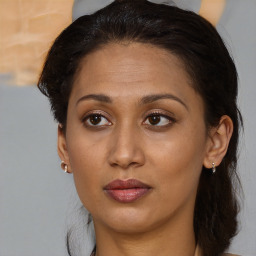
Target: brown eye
[(154, 120), (158, 120), (96, 120)]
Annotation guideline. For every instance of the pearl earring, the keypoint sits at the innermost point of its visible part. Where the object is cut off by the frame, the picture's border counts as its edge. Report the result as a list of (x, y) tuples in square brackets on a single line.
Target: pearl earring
[(213, 168), (64, 166)]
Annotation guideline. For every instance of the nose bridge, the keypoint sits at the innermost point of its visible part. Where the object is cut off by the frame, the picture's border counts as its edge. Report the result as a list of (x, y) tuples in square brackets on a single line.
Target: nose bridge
[(126, 148)]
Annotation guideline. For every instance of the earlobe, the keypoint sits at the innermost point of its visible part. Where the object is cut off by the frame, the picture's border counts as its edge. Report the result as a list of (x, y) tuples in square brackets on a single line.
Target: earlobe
[(219, 139), (62, 147)]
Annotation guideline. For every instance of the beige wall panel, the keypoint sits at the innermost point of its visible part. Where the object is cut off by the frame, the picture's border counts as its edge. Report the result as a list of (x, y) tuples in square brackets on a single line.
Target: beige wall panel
[(27, 29)]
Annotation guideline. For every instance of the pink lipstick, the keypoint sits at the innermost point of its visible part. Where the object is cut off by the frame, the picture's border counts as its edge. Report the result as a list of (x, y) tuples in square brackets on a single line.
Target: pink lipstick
[(126, 191)]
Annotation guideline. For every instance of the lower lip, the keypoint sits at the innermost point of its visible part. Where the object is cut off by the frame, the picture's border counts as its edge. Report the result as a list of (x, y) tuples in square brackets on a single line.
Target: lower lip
[(127, 195)]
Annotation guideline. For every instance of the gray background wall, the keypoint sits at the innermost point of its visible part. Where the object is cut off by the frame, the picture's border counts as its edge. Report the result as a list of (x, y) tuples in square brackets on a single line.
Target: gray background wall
[(37, 199)]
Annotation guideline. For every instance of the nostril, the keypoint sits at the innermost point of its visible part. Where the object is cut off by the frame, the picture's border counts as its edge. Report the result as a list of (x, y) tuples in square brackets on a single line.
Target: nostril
[(127, 161), (123, 164)]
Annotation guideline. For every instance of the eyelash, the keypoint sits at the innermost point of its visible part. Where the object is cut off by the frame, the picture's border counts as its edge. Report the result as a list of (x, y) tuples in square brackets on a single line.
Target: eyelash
[(171, 120), (86, 118)]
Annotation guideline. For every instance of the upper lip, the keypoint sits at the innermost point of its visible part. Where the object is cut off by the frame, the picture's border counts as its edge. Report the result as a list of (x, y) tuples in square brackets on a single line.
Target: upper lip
[(125, 184)]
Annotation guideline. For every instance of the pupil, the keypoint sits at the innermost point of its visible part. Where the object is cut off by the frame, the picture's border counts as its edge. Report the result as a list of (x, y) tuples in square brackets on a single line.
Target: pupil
[(154, 120), (95, 119)]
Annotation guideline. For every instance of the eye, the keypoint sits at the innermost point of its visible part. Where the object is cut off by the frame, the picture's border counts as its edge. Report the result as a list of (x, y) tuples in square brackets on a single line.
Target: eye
[(96, 120), (157, 119)]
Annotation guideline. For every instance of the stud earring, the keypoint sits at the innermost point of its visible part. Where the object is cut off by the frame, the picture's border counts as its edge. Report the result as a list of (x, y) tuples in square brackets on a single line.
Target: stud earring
[(213, 168), (64, 166)]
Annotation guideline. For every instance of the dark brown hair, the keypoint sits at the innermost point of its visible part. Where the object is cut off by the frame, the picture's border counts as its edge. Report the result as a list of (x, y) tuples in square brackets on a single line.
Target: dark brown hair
[(206, 59)]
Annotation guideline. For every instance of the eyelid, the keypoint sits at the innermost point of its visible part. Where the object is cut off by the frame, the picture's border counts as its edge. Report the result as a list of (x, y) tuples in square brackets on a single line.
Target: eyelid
[(166, 114), (96, 112)]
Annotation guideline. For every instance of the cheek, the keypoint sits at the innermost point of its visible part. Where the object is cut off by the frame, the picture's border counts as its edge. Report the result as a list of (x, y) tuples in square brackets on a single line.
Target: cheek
[(179, 162), (85, 150), (87, 160), (183, 146), (179, 170)]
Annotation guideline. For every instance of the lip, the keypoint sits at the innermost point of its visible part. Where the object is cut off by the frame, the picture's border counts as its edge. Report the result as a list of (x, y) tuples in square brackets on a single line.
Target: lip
[(126, 191)]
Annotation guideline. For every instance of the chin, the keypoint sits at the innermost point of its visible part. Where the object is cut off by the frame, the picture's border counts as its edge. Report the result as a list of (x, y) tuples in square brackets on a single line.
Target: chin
[(131, 220)]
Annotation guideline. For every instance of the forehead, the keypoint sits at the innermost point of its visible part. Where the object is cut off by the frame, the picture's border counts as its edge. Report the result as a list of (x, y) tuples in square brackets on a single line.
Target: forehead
[(126, 68)]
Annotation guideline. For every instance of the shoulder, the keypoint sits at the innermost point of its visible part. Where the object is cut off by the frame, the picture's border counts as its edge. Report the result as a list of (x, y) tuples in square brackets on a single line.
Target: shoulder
[(199, 252)]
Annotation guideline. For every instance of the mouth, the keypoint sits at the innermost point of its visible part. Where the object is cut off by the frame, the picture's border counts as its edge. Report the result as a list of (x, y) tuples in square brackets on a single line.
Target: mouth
[(126, 191)]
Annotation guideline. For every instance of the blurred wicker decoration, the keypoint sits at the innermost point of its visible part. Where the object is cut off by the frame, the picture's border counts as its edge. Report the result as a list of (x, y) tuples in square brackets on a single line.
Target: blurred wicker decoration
[(212, 10), (27, 29)]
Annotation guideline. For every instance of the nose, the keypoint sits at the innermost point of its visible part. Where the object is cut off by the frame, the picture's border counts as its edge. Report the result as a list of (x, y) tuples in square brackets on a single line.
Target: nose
[(126, 148)]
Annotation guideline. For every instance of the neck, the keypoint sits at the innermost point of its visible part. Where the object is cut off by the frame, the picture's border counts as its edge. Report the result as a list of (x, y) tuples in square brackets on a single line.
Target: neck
[(175, 237)]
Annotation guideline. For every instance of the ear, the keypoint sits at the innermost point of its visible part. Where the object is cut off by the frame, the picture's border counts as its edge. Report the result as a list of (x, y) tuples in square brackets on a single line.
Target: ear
[(62, 148), (218, 142)]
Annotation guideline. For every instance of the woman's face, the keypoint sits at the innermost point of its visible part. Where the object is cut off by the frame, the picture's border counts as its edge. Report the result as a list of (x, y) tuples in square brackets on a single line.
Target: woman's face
[(135, 138)]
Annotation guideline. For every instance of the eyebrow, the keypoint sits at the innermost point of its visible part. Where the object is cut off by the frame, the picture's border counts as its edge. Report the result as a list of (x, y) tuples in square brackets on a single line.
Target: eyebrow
[(154, 97), (144, 100), (98, 97)]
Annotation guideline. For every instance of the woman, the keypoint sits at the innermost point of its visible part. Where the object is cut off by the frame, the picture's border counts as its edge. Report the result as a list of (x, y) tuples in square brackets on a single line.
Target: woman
[(145, 97)]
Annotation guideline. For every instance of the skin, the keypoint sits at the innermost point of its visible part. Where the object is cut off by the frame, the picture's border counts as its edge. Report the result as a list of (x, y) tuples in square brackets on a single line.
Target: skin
[(167, 155)]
